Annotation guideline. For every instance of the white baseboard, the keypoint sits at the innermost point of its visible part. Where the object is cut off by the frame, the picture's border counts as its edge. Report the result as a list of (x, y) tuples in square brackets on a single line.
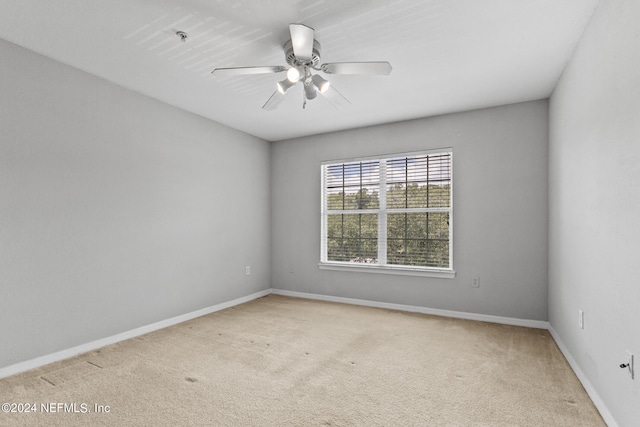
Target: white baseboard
[(595, 397), (539, 324), (591, 391), (93, 345)]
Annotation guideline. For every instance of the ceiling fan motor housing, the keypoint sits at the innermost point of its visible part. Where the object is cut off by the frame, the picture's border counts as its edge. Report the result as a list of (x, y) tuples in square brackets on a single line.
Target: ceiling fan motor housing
[(297, 62)]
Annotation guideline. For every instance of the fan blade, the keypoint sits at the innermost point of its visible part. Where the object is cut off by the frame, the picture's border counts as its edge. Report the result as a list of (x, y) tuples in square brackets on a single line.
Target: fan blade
[(273, 102), (238, 71), (335, 98), (301, 41), (380, 68)]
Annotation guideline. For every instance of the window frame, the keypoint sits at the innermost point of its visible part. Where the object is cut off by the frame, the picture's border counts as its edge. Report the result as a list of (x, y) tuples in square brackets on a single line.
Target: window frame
[(383, 211)]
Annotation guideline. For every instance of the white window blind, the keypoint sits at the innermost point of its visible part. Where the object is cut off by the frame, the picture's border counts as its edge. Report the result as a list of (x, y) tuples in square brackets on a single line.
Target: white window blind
[(393, 211)]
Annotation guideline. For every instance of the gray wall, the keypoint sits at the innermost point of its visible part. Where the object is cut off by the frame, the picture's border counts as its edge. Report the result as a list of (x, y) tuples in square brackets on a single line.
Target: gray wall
[(500, 211), (117, 211), (594, 200)]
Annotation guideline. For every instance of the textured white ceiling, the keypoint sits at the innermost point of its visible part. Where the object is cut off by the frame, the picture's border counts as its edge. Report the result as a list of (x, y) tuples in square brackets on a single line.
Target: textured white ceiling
[(447, 55)]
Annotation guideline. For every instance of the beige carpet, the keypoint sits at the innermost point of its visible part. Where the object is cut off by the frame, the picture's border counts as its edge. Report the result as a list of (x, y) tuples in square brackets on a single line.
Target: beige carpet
[(281, 361)]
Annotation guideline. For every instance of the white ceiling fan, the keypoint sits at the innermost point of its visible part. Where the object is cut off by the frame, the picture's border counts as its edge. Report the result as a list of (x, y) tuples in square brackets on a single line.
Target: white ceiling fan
[(302, 53)]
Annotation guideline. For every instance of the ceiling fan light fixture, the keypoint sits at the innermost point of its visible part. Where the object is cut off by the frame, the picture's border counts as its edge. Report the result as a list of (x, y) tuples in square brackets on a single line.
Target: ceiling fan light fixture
[(309, 90), (293, 75), (321, 84), (284, 85)]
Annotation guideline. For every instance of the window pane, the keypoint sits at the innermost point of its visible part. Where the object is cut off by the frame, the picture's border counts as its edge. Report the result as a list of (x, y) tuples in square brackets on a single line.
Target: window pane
[(352, 238), (353, 185), (438, 240), (439, 196), (419, 182), (438, 255), (418, 239)]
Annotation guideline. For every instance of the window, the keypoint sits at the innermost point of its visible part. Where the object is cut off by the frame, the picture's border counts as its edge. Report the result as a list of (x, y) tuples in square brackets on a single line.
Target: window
[(389, 214)]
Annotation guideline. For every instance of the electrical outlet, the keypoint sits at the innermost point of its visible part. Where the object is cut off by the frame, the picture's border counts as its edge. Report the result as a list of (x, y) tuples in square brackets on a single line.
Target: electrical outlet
[(581, 319), (475, 283), (630, 363), (291, 269), (247, 270)]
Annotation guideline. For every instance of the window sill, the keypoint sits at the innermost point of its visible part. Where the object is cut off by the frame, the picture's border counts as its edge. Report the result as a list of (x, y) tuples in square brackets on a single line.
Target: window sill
[(398, 270)]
